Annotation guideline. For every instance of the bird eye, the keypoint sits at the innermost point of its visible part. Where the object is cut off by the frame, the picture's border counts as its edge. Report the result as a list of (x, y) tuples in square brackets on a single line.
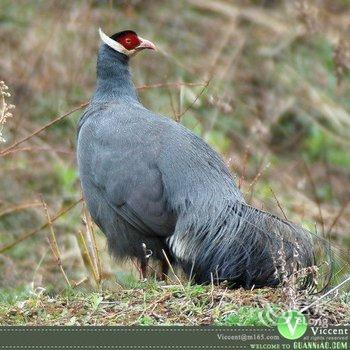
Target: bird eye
[(128, 40)]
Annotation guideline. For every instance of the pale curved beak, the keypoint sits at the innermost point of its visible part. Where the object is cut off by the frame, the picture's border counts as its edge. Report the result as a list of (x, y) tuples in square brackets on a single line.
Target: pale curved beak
[(146, 44)]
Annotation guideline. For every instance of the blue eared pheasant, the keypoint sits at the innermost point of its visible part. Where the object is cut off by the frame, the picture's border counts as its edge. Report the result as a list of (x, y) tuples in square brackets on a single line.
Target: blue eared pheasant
[(152, 185)]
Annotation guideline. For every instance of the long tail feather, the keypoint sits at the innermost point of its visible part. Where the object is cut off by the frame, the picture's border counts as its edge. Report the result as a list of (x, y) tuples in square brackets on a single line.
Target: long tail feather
[(243, 245)]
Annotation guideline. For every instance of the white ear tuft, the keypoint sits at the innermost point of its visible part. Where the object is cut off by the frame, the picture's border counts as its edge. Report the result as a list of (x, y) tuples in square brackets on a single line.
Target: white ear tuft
[(113, 44)]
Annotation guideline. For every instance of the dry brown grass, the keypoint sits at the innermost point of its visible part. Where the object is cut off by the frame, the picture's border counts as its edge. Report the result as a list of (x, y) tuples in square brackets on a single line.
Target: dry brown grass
[(5, 108)]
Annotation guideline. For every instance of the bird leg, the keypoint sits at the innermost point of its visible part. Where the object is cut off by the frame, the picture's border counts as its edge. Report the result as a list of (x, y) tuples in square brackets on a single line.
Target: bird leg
[(144, 261), (164, 271)]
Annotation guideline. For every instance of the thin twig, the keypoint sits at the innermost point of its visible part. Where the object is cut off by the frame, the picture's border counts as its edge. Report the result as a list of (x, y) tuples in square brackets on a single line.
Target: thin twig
[(56, 120), (212, 288), (97, 253), (278, 203), (172, 269), (257, 177), (316, 197), (222, 297), (87, 254), (337, 217), (179, 116), (176, 84), (36, 149), (59, 118), (324, 295), (53, 244), (243, 174), (35, 231), (90, 233), (76, 284), (19, 207), (90, 246), (175, 117)]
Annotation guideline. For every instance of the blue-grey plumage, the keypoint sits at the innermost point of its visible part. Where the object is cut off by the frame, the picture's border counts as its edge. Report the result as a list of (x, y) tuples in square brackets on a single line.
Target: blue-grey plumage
[(149, 180)]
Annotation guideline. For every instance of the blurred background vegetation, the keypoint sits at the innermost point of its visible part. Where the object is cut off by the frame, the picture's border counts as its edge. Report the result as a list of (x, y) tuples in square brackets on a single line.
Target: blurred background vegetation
[(266, 83)]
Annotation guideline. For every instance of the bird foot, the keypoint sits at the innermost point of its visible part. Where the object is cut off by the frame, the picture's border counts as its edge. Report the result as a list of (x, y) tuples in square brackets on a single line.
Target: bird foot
[(144, 261)]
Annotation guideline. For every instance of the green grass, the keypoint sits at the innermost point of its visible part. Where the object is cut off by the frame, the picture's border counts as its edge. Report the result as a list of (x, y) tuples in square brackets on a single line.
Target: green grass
[(246, 316), (155, 304)]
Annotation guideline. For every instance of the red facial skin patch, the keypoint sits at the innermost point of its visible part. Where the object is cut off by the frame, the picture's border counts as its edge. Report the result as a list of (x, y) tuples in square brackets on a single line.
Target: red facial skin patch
[(129, 40)]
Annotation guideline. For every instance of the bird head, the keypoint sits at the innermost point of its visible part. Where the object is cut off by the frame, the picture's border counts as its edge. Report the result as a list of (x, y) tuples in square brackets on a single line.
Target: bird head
[(126, 42)]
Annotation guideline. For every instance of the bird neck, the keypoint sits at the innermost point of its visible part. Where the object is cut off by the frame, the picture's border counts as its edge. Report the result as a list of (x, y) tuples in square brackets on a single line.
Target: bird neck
[(113, 77)]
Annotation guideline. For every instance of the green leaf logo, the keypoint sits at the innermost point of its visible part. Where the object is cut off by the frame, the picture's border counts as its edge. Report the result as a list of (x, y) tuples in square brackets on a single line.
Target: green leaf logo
[(292, 324)]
